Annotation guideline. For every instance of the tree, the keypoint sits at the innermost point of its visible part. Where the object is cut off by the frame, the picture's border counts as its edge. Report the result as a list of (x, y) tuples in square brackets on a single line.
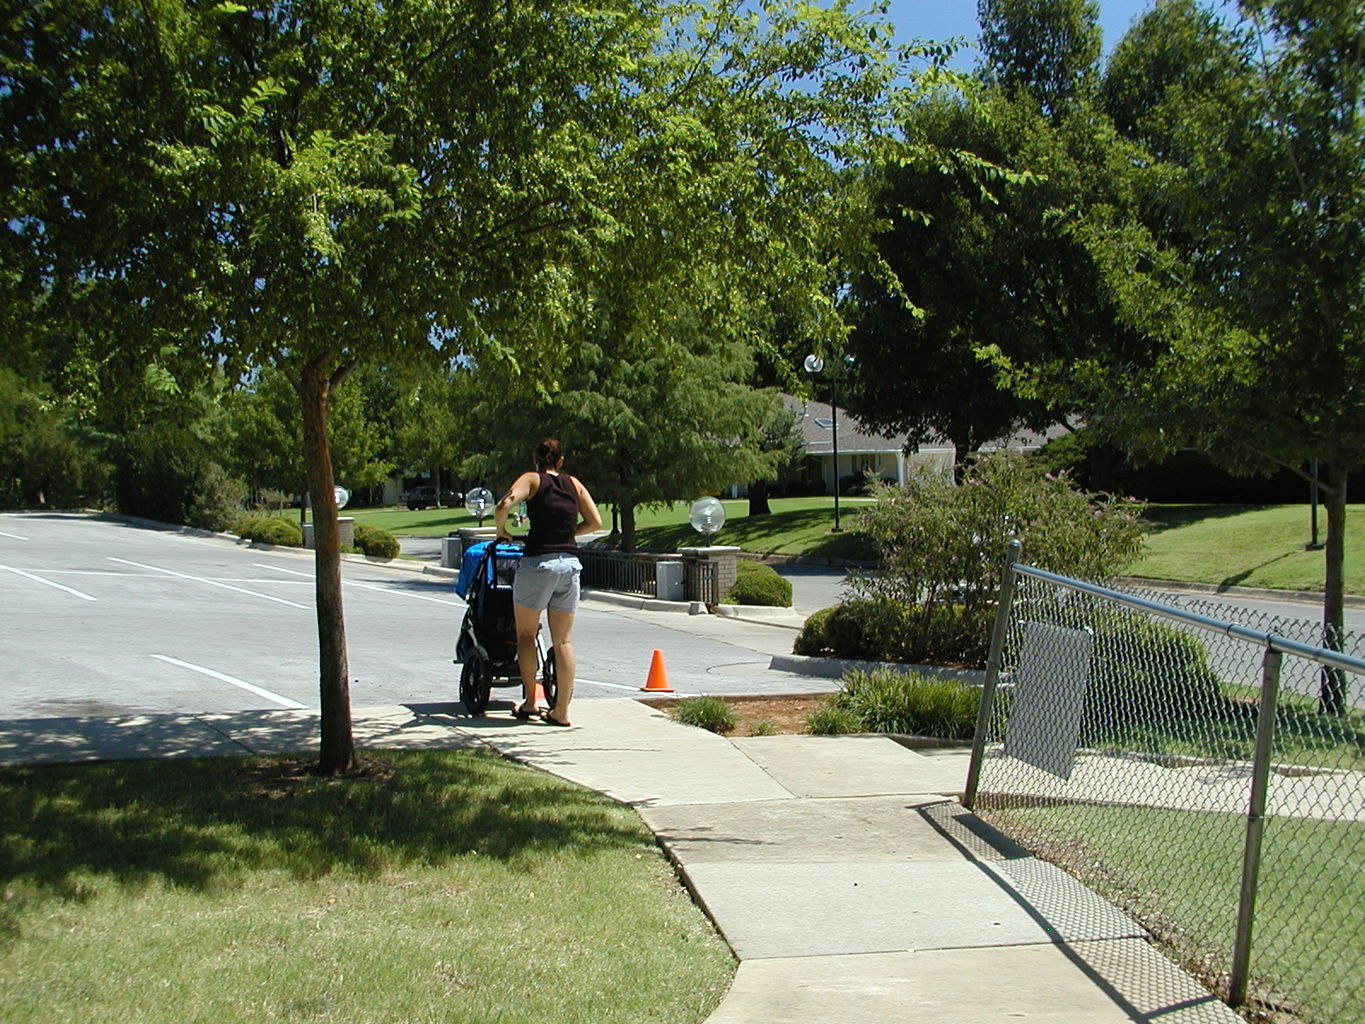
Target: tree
[(42, 462), (983, 259), (781, 438), (1257, 292), (319, 185), (1048, 50), (266, 434), (647, 420), (308, 185)]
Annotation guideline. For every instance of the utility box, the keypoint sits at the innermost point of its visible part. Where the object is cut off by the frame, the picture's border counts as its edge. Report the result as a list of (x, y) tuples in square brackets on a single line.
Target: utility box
[(451, 550), (668, 581)]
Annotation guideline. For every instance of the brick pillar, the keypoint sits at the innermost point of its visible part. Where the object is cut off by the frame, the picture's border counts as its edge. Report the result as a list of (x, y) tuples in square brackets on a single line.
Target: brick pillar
[(726, 560)]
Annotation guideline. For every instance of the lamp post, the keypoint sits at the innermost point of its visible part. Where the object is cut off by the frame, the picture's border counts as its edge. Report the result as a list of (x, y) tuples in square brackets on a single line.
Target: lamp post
[(815, 366)]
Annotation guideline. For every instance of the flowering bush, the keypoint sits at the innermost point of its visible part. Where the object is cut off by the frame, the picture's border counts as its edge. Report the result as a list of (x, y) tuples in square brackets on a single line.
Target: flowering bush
[(942, 543)]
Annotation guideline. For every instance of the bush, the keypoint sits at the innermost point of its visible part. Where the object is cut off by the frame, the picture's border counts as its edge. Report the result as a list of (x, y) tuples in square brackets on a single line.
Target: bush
[(375, 541), (884, 700), (872, 630), (219, 500), (1146, 673), (759, 584), (947, 634), (831, 719), (813, 640), (270, 530), (882, 629), (944, 543), (710, 713)]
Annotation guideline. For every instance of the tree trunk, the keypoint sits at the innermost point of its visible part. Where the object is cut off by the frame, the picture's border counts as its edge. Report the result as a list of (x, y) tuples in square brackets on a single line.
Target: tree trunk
[(338, 748), (627, 526), (960, 452), (1332, 695), (758, 499)]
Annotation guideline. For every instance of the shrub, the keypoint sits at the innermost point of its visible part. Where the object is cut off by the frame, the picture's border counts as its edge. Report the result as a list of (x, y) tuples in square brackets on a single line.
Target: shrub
[(941, 542), (218, 501), (710, 713), (883, 629), (1145, 673), (813, 640), (941, 634), (759, 584), (872, 630), (270, 530), (832, 719), (884, 700), (375, 541)]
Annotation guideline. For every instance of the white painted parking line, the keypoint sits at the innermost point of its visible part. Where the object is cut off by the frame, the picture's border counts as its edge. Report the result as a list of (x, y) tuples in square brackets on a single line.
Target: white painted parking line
[(39, 579), (12, 536), (258, 691), (211, 583), (368, 586)]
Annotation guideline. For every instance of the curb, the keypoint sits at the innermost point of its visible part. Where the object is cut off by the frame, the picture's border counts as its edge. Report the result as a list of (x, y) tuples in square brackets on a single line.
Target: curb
[(637, 602), (835, 668), (787, 618), (1217, 589)]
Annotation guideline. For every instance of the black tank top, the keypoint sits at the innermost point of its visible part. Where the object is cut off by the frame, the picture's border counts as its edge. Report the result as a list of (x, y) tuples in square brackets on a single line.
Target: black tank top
[(554, 515)]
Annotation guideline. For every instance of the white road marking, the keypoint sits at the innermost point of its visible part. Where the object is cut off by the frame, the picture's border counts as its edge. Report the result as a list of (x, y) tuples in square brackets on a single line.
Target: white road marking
[(284, 701), (12, 536), (39, 579), (367, 586), (211, 583)]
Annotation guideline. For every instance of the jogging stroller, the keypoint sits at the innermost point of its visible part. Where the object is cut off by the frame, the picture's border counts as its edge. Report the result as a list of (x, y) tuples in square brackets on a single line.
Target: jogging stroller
[(487, 642)]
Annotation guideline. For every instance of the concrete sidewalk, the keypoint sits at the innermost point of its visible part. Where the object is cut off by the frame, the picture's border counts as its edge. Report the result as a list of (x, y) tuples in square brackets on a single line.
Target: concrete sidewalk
[(844, 874)]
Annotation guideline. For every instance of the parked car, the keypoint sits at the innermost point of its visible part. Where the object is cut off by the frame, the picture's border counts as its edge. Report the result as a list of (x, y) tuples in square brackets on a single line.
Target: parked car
[(425, 497)]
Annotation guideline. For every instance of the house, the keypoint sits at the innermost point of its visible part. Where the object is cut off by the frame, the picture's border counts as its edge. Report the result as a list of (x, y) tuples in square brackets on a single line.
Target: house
[(861, 450)]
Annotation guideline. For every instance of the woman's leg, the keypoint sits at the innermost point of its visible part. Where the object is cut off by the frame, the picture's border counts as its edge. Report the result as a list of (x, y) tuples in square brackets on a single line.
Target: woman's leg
[(528, 622), (561, 630)]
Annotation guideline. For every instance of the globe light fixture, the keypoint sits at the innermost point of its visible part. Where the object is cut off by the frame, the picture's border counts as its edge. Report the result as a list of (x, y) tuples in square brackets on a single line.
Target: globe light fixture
[(707, 515), (479, 502)]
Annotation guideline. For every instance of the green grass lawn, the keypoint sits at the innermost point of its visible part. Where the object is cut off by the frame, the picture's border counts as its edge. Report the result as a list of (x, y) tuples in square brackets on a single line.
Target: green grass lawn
[(797, 526), (1232, 545), (439, 886), (1236, 545)]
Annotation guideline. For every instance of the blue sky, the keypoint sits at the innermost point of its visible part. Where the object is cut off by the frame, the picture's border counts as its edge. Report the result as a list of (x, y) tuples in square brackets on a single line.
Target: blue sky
[(940, 19)]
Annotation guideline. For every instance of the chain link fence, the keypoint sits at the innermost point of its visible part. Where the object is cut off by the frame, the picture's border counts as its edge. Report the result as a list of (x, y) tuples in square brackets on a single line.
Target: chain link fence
[(1206, 776)]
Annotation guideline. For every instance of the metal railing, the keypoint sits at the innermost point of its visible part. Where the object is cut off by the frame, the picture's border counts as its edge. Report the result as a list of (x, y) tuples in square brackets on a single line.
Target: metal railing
[(1208, 776), (701, 581), (619, 572), (638, 574)]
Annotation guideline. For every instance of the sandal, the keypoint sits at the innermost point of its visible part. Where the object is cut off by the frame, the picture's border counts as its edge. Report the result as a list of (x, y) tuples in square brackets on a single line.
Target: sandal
[(549, 719), (521, 713)]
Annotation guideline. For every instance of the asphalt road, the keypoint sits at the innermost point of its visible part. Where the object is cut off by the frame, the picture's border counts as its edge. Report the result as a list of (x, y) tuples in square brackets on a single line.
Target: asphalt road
[(107, 617), (101, 616)]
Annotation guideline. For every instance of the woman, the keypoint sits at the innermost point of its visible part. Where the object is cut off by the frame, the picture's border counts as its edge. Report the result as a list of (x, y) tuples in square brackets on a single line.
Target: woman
[(560, 509)]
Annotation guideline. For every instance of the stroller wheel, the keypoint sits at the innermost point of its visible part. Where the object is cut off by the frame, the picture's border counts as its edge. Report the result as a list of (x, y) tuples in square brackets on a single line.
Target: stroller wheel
[(476, 682), (549, 679)]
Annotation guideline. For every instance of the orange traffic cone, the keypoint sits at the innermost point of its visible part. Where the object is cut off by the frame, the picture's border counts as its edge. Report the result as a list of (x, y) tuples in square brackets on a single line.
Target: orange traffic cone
[(540, 694), (658, 678)]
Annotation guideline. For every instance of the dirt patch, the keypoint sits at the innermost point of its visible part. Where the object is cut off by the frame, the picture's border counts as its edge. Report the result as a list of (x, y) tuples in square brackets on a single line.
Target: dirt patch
[(780, 715)]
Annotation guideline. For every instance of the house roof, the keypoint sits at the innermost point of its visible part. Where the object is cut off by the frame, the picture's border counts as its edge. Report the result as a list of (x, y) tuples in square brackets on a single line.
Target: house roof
[(815, 421)]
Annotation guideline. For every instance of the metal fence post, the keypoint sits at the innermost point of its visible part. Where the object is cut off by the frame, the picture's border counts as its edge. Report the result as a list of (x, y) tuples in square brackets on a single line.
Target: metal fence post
[(1013, 550), (1251, 856)]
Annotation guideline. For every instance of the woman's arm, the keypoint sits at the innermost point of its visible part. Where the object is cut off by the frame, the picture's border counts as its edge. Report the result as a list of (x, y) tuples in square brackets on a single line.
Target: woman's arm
[(587, 508), (523, 487)]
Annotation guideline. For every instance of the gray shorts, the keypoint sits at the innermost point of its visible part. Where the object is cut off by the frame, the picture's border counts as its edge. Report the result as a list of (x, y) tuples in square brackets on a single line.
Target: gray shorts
[(548, 581)]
